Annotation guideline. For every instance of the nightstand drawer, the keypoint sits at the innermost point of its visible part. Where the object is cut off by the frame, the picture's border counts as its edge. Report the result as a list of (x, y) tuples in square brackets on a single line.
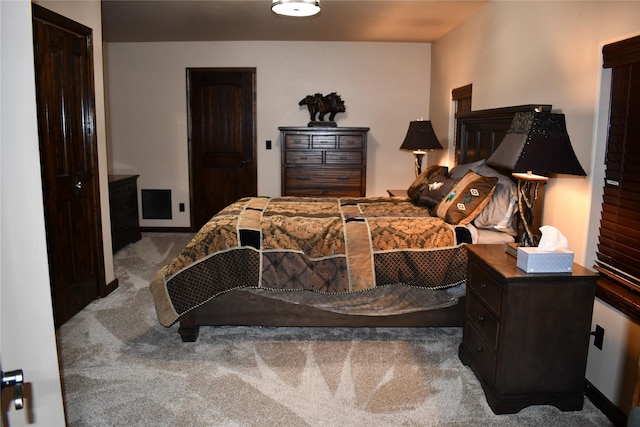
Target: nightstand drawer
[(482, 353), (485, 287), (479, 317)]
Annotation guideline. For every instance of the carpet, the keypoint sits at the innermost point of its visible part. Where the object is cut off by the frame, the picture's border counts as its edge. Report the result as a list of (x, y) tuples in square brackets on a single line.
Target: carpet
[(120, 367)]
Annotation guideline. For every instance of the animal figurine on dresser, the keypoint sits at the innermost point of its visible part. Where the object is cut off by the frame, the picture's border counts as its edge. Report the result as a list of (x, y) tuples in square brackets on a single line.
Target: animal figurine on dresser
[(320, 105)]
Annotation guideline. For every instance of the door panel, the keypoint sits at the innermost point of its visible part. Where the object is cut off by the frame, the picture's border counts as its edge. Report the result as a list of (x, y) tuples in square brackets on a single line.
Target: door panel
[(68, 158), (221, 139)]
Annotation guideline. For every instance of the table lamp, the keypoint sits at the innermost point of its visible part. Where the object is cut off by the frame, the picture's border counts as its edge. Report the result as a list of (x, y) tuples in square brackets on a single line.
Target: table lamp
[(420, 138), (536, 143)]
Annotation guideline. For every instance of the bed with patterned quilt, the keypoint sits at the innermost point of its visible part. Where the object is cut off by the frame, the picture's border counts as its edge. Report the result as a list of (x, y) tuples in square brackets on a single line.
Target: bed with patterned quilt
[(303, 261)]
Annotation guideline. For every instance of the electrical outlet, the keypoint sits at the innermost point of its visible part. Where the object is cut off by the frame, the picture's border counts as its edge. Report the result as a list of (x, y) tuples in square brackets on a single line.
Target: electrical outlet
[(598, 336), (268, 145)]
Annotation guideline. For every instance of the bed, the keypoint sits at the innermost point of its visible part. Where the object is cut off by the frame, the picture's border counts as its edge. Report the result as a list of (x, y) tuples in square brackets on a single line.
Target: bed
[(354, 262)]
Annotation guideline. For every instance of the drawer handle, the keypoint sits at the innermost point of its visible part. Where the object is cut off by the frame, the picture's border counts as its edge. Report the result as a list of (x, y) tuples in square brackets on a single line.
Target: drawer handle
[(343, 179), (480, 318), (303, 179), (478, 349), (303, 157), (483, 286)]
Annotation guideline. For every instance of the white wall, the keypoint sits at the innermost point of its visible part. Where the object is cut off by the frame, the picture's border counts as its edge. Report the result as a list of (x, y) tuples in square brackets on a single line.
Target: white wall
[(26, 314), (89, 13), (530, 52), (384, 85)]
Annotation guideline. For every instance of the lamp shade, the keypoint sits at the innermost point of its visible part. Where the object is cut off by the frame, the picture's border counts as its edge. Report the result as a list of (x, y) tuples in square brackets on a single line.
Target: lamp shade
[(420, 137), (537, 142), (295, 7)]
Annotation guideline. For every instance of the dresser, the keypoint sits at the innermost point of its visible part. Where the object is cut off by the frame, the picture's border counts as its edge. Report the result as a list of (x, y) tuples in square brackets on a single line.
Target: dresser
[(123, 207), (324, 161), (526, 336)]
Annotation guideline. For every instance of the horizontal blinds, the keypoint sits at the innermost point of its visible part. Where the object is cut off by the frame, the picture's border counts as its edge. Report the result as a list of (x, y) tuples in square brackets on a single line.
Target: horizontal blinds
[(619, 241)]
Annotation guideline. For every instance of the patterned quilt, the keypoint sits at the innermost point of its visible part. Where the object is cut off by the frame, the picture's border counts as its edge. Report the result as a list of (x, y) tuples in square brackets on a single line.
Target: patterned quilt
[(325, 245)]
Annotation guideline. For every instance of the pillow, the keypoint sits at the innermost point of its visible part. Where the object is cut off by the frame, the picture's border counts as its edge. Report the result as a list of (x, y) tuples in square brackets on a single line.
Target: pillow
[(498, 213), (422, 181), (438, 186), (461, 170), (467, 198)]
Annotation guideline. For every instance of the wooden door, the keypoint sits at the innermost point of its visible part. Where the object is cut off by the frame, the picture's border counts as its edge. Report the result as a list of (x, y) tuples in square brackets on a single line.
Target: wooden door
[(222, 139), (68, 158)]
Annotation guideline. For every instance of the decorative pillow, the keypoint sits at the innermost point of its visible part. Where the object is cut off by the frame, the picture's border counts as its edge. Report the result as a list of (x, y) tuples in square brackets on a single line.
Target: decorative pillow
[(467, 199), (498, 213), (438, 186), (461, 170), (422, 180)]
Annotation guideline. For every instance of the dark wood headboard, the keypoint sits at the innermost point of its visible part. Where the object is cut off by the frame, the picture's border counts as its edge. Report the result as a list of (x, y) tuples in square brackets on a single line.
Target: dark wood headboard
[(482, 131)]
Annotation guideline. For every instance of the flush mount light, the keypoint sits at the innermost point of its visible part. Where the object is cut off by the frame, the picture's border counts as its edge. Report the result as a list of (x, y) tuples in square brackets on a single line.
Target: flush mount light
[(296, 7)]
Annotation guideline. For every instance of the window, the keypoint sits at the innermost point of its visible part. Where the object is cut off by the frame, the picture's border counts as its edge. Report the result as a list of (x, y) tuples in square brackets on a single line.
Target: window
[(618, 255)]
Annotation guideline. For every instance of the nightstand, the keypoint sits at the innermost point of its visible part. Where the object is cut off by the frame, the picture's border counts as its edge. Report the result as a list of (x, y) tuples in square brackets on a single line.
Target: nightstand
[(123, 207), (526, 336), (397, 193)]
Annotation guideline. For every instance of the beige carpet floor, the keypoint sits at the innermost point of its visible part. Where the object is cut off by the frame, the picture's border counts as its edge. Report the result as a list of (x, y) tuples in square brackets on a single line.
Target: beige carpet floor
[(120, 367)]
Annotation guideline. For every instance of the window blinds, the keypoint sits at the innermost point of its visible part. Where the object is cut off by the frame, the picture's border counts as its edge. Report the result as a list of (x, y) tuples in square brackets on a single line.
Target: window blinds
[(618, 254)]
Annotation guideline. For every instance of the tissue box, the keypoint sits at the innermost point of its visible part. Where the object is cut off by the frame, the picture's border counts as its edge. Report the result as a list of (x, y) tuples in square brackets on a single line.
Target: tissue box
[(533, 261)]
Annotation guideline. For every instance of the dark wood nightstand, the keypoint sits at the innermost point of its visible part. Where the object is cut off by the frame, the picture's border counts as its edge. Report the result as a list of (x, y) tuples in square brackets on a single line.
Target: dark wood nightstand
[(123, 201), (526, 336), (397, 193)]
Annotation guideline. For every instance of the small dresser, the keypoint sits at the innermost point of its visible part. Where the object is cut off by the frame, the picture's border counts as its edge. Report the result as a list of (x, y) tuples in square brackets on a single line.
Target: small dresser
[(526, 336), (324, 161), (123, 206)]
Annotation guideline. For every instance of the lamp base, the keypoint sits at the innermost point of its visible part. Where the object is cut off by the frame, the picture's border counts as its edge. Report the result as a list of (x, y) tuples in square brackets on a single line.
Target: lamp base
[(418, 162), (528, 190)]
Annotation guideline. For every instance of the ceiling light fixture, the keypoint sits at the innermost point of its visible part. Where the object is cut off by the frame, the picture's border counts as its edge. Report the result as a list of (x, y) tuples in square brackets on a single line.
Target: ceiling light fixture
[(295, 7)]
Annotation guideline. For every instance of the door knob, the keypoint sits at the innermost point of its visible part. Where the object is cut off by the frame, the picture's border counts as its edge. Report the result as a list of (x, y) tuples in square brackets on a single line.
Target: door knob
[(14, 379), (78, 184)]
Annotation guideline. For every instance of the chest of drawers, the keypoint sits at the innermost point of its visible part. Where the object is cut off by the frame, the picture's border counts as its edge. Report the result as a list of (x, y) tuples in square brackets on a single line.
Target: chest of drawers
[(324, 161), (123, 208), (526, 336)]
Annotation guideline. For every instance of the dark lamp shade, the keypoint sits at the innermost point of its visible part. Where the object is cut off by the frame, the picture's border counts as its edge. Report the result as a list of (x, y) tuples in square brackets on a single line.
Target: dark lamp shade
[(420, 136), (537, 142)]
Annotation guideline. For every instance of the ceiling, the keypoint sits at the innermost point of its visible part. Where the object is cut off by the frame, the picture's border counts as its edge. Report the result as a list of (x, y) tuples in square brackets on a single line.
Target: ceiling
[(340, 20)]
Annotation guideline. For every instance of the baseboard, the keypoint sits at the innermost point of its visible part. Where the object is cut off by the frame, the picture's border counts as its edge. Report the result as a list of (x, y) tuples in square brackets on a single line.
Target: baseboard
[(166, 230), (110, 287), (612, 412)]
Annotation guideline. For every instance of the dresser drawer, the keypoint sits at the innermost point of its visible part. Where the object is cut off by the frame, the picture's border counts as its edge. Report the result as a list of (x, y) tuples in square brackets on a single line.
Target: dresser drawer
[(350, 142), (335, 178), (297, 141), (309, 157), (481, 319), (321, 142), (485, 287), (324, 192), (482, 353), (343, 157)]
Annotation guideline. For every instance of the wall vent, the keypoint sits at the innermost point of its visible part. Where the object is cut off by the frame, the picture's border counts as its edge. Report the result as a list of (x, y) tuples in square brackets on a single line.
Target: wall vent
[(156, 204)]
